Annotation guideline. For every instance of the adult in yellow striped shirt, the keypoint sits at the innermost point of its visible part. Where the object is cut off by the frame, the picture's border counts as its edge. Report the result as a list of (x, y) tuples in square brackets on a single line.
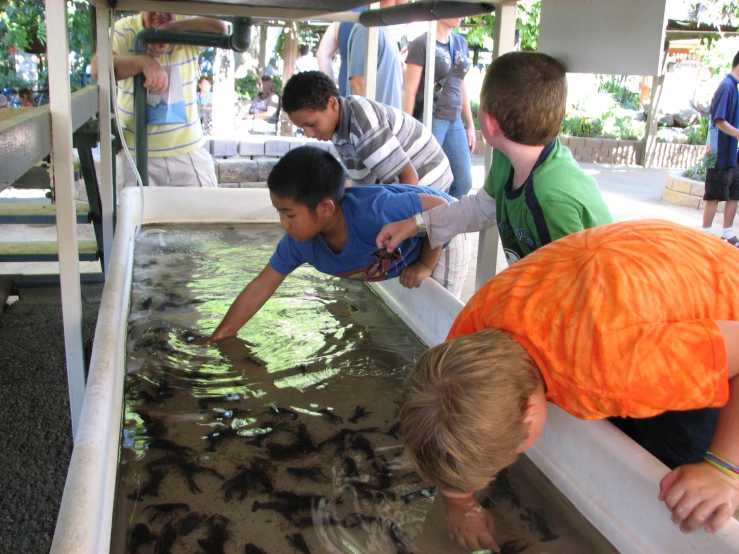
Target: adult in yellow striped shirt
[(176, 155)]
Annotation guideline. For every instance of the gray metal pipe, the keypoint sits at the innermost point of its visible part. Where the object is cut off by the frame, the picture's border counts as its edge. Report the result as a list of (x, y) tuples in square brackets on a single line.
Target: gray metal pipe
[(423, 11), (238, 41)]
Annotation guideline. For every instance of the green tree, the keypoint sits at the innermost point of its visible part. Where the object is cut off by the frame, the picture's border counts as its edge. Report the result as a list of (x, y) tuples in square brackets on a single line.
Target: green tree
[(23, 27), (480, 34)]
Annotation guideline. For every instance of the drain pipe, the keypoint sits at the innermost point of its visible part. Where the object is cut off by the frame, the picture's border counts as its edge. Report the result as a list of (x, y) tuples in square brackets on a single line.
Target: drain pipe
[(237, 41)]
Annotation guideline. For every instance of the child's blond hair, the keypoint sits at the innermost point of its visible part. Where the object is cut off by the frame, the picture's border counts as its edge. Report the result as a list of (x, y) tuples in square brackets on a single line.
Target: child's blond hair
[(526, 92), (463, 407)]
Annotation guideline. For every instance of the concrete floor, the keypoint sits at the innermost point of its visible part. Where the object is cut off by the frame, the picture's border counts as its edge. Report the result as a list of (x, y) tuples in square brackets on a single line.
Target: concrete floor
[(35, 442)]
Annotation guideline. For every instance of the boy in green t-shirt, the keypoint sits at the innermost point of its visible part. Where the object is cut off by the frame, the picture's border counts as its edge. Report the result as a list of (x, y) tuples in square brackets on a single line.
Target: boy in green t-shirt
[(535, 191)]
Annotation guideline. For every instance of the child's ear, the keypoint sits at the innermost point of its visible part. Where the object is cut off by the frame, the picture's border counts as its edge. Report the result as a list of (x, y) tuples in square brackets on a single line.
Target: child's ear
[(326, 208), (489, 124)]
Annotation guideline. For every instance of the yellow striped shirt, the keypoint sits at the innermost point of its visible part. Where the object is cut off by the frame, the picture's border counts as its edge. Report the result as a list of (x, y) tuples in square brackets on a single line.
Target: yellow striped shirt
[(164, 140)]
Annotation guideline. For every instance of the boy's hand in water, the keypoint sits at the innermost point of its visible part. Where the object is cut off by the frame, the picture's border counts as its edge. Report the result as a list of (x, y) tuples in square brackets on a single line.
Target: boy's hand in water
[(469, 524), (392, 234), (699, 495)]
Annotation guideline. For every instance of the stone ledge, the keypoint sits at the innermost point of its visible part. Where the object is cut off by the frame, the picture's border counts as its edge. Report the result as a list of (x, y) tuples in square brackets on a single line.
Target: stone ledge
[(686, 192)]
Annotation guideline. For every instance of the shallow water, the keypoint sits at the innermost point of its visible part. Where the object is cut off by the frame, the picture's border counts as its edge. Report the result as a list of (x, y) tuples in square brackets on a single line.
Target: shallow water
[(284, 437)]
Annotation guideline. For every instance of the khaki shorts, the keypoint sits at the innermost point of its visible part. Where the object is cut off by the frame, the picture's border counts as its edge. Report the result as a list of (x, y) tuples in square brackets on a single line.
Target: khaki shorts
[(192, 169)]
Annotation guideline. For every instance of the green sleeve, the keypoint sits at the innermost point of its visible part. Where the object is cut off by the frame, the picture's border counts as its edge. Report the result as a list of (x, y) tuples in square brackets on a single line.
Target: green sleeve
[(563, 218)]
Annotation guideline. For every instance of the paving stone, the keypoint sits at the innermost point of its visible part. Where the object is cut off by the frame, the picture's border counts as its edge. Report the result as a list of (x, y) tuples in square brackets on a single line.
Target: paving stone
[(237, 170), (265, 166), (674, 197), (697, 188), (276, 148), (223, 148), (254, 185), (251, 147), (680, 184)]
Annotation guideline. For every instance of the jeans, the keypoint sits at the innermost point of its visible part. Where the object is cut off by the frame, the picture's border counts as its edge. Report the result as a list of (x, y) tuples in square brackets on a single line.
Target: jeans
[(452, 137)]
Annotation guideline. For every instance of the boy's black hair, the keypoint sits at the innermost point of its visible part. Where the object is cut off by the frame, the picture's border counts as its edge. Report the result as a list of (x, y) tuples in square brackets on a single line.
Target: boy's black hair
[(309, 90), (736, 61), (307, 175)]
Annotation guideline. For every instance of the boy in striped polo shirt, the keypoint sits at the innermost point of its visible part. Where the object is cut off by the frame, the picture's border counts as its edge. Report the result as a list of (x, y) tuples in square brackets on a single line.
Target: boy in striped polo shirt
[(378, 144), (176, 156)]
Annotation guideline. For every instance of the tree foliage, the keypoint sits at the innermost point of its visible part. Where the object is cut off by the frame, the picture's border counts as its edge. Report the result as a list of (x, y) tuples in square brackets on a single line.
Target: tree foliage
[(23, 27), (527, 27)]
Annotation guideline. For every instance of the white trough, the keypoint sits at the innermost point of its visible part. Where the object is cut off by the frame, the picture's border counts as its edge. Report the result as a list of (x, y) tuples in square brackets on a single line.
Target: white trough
[(610, 479)]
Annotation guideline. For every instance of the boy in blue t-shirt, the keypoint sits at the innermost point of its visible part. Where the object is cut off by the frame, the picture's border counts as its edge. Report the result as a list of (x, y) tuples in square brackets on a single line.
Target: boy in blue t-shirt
[(334, 230), (722, 181)]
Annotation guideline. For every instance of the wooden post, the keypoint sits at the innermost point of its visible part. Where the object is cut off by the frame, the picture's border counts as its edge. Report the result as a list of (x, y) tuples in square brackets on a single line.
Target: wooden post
[(262, 54), (289, 55), (650, 136)]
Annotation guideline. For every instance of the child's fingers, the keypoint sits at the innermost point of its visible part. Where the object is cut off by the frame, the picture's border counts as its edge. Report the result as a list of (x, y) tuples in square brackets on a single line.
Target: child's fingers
[(721, 517), (685, 507), (667, 483), (699, 515), (488, 541)]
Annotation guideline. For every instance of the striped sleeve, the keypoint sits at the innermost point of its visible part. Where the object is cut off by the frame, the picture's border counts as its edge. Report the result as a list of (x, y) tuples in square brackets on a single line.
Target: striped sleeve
[(376, 143)]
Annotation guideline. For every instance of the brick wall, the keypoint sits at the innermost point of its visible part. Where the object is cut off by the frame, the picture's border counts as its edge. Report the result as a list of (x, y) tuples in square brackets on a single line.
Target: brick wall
[(667, 155)]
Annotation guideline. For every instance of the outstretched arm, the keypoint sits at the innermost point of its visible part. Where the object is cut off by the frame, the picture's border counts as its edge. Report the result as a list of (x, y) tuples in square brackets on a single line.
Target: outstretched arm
[(471, 213), (327, 48), (248, 302), (412, 275), (701, 495)]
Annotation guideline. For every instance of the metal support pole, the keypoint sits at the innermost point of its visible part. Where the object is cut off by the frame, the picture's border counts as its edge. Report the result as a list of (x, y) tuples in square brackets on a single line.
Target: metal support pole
[(60, 106), (430, 75), (370, 63), (504, 41), (104, 119)]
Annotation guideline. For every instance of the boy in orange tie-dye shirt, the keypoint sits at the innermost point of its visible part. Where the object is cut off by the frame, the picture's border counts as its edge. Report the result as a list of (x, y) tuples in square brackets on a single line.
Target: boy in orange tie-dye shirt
[(632, 319)]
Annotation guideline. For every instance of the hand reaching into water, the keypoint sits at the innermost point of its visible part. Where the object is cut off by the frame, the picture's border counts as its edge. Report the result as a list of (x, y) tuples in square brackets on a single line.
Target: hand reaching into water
[(469, 524)]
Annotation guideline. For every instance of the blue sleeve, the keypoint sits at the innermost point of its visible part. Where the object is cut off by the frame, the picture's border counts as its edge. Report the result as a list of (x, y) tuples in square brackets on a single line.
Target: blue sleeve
[(287, 257), (720, 104), (356, 48)]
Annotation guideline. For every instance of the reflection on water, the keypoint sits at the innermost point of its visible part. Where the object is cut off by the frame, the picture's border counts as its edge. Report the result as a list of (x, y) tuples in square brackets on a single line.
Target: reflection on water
[(283, 439)]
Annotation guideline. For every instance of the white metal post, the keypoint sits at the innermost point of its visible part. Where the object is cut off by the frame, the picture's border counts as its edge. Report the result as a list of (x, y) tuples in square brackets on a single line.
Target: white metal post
[(430, 75), (106, 136), (60, 107), (370, 64), (504, 40)]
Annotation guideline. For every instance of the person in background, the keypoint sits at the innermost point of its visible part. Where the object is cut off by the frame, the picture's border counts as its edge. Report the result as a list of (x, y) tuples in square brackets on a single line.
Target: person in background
[(389, 87), (306, 61), (451, 101), (377, 144), (722, 181), (336, 39), (176, 153), (264, 111), (205, 105), (25, 98)]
